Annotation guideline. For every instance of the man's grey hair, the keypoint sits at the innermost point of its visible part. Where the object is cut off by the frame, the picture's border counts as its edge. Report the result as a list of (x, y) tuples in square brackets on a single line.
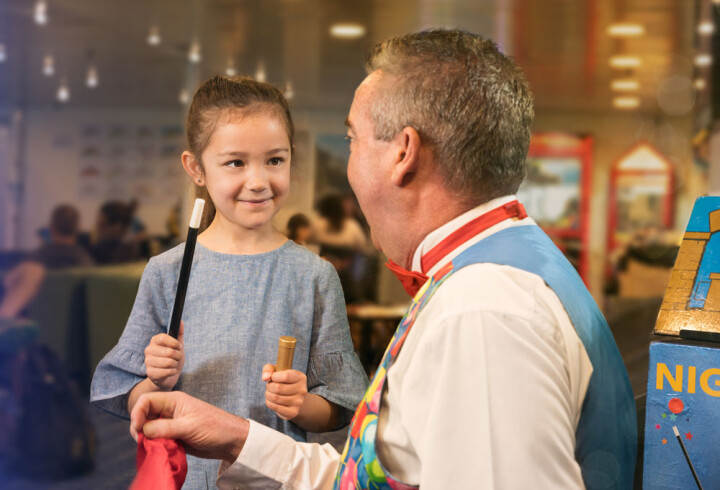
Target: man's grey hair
[(470, 103)]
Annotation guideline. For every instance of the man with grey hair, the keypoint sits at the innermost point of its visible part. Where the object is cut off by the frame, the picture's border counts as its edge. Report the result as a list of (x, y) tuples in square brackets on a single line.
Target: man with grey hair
[(503, 373)]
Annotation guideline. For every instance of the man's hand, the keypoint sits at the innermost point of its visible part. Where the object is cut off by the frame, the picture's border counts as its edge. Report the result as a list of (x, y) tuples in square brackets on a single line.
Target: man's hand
[(285, 391), (164, 359), (207, 431)]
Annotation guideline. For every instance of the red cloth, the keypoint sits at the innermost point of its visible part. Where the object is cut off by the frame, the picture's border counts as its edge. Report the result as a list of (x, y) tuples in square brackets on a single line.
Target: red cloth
[(161, 464)]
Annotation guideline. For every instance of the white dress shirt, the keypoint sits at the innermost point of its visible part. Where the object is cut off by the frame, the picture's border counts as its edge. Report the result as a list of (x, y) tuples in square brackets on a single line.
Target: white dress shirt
[(485, 393)]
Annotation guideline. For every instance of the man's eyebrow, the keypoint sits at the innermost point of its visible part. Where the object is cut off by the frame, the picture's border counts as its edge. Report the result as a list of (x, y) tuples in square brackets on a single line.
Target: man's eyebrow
[(348, 124)]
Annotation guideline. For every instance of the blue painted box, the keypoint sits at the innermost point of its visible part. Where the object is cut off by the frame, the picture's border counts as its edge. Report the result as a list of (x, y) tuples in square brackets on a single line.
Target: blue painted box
[(683, 392)]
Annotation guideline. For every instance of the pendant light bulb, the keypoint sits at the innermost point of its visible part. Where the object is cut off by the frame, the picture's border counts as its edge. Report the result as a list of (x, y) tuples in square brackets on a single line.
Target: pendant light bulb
[(230, 69), (154, 38), (184, 96), (40, 13), (289, 92), (260, 74), (195, 53), (3, 54), (48, 65), (63, 93), (92, 80)]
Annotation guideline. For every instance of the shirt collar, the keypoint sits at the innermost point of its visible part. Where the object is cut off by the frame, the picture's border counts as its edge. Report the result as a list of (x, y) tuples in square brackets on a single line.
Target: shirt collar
[(436, 236)]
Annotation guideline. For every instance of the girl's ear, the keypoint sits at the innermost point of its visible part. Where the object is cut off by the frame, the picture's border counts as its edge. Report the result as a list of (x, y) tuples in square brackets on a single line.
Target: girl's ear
[(192, 167)]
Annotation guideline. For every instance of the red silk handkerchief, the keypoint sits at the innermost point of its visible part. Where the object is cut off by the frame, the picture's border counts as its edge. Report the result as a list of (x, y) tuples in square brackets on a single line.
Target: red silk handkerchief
[(161, 464)]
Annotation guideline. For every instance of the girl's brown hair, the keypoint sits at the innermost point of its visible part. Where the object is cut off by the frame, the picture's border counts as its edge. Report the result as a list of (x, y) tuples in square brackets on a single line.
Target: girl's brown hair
[(220, 94)]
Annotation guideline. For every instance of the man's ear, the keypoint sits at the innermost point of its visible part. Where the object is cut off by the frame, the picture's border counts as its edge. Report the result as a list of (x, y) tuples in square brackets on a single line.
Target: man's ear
[(192, 167), (407, 156)]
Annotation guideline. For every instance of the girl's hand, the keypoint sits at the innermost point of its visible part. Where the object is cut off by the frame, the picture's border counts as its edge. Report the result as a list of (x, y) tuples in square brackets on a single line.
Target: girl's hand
[(285, 391), (164, 359)]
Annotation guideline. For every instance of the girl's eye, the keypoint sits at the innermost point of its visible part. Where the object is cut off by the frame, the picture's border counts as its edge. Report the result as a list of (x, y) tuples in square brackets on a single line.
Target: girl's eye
[(276, 161), (235, 163)]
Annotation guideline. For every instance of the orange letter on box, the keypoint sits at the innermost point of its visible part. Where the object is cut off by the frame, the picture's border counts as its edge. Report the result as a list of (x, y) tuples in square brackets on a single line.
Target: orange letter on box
[(705, 377), (663, 371)]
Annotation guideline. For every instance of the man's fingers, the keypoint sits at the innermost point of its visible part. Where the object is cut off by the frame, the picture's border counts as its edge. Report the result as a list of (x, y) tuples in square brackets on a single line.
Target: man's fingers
[(151, 406), (168, 428), (267, 371)]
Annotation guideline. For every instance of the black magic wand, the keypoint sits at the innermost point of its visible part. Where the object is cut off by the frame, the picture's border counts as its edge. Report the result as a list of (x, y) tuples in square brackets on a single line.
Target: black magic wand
[(185, 268)]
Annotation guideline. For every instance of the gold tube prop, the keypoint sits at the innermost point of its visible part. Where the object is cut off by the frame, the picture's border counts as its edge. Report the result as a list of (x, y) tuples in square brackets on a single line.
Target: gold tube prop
[(286, 351)]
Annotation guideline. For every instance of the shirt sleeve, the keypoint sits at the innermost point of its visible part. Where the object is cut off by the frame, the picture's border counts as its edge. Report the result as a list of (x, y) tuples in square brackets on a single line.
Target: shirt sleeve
[(334, 370), (272, 460), (484, 403), (124, 366)]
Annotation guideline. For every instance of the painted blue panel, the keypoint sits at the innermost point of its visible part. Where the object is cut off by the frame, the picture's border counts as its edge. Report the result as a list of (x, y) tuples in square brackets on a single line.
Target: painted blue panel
[(694, 410), (699, 221)]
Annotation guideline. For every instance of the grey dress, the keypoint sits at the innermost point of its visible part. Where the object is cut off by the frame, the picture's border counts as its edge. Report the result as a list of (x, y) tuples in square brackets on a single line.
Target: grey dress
[(236, 308)]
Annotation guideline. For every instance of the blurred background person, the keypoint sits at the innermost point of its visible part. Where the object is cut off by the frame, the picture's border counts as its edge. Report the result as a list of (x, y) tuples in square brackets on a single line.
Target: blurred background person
[(335, 228), (113, 244), (21, 284)]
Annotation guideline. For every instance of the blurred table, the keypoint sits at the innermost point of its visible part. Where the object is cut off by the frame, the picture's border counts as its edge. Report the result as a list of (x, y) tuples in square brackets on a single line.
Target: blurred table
[(367, 315)]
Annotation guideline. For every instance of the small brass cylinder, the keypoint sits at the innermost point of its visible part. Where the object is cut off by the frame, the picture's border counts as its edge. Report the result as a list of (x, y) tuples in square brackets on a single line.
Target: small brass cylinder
[(286, 351)]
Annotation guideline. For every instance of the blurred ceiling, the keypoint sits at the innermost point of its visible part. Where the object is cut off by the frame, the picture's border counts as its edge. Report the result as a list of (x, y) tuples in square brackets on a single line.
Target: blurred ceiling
[(561, 44)]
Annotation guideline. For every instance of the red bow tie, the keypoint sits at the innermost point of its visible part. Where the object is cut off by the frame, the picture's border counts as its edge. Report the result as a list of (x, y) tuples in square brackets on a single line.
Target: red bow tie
[(412, 281)]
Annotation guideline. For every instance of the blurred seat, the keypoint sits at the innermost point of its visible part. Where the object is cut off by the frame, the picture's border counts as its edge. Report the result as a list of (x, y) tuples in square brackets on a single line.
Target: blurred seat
[(82, 312)]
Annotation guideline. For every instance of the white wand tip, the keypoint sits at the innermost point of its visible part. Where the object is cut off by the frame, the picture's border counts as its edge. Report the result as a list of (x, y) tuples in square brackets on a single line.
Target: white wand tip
[(676, 431), (197, 213)]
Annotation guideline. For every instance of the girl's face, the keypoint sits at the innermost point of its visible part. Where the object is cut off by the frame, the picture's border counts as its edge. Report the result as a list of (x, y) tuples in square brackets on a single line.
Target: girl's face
[(247, 167)]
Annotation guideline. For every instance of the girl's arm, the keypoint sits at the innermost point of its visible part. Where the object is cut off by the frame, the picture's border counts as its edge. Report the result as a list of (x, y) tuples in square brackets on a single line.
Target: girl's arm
[(317, 414), (144, 386)]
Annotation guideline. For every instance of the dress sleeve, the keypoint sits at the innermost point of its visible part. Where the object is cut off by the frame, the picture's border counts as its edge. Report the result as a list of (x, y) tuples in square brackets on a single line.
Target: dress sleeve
[(334, 370), (124, 366)]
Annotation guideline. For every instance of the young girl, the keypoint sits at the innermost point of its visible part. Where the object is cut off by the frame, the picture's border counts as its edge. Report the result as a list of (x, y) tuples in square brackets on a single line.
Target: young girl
[(249, 285)]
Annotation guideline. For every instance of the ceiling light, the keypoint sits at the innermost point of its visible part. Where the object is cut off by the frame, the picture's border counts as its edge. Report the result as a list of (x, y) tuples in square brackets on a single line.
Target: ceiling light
[(624, 61), (626, 102), (705, 28), (40, 12), (347, 31), (260, 74), (63, 92), (3, 55), (92, 80), (703, 59), (289, 92), (230, 69), (48, 65), (154, 38), (184, 96), (626, 29), (625, 85), (195, 54), (699, 83)]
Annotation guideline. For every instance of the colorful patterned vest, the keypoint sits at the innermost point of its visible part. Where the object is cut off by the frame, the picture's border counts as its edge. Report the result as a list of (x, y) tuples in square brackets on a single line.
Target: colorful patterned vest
[(606, 436)]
